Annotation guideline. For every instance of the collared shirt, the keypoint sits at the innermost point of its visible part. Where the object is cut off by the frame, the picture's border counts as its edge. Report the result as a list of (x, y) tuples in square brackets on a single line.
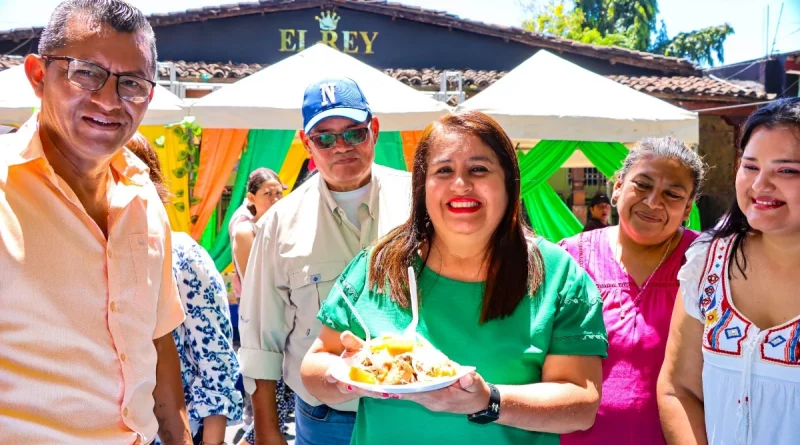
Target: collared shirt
[(302, 245), (79, 310)]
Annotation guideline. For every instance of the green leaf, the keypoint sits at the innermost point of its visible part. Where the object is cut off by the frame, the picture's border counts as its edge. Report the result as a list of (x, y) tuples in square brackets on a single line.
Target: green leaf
[(178, 131), (180, 193), (194, 200), (194, 219), (182, 155), (197, 130), (179, 172), (160, 141), (181, 207)]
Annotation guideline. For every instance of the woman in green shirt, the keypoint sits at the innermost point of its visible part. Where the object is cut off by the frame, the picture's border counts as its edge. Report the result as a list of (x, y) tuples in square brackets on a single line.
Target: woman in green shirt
[(492, 296)]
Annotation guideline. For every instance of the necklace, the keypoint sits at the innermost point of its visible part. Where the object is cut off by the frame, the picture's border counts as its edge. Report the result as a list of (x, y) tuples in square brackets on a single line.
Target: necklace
[(638, 298)]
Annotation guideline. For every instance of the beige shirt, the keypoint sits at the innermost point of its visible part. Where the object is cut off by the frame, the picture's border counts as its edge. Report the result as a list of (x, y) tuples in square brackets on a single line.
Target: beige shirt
[(302, 245), (80, 309)]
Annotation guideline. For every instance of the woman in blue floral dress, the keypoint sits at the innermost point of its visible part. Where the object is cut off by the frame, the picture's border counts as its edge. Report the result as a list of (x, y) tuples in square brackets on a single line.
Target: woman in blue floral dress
[(209, 366)]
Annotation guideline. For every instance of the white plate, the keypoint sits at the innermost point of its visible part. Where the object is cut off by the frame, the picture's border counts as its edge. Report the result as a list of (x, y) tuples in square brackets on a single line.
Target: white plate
[(342, 373)]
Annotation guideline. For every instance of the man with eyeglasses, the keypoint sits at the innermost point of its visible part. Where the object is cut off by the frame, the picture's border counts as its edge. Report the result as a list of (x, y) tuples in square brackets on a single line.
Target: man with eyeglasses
[(86, 286), (303, 243)]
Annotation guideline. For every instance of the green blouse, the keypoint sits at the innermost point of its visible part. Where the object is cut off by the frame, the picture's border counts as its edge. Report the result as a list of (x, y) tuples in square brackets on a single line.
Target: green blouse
[(564, 317)]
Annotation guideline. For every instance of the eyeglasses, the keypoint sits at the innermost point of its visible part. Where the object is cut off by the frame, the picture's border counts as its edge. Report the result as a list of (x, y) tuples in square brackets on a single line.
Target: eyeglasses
[(88, 76), (326, 141)]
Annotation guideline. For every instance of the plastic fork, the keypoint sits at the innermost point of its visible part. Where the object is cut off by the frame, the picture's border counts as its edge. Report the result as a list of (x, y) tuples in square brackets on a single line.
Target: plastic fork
[(411, 330)]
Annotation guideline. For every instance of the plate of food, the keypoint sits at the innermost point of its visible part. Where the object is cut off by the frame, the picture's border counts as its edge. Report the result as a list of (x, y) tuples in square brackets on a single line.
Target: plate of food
[(396, 364)]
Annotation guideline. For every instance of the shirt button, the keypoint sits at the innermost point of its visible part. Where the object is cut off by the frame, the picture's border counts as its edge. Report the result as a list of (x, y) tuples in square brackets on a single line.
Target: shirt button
[(125, 412), (113, 306), (122, 357)]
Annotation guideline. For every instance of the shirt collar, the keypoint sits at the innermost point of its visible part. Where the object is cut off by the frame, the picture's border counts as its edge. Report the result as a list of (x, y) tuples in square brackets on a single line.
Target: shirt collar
[(26, 146), (372, 201)]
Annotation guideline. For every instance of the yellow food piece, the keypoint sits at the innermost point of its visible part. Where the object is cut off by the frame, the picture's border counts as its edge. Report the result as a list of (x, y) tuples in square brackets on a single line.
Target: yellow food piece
[(393, 345), (360, 375), (446, 371)]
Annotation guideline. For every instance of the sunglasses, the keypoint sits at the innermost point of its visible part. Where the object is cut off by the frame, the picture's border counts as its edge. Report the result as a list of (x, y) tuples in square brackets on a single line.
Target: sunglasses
[(88, 76), (326, 141)]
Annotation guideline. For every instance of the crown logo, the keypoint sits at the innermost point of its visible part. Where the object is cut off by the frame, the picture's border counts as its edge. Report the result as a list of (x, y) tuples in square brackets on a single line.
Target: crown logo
[(328, 20)]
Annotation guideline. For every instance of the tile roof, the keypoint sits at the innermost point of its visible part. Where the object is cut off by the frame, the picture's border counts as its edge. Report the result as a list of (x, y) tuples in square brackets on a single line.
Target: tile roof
[(9, 61), (474, 80), (688, 86), (668, 65)]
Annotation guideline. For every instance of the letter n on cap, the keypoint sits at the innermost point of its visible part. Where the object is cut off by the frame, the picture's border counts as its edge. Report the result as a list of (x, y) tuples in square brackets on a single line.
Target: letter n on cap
[(328, 91)]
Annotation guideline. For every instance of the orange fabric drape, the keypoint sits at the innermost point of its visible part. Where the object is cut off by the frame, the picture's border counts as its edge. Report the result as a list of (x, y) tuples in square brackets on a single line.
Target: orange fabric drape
[(410, 141), (219, 151)]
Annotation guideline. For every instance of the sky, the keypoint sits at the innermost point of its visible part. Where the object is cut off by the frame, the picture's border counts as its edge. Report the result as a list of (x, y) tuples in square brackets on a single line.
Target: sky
[(747, 17)]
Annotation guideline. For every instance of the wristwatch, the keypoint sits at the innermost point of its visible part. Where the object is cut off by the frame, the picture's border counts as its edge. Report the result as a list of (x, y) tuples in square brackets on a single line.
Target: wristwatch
[(492, 412)]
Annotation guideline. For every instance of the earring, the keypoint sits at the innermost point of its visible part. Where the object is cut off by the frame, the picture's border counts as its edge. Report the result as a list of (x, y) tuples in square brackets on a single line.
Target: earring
[(614, 201)]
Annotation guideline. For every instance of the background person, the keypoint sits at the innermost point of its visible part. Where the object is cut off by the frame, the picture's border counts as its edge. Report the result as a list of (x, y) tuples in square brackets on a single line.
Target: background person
[(599, 212), (264, 188), (302, 244)]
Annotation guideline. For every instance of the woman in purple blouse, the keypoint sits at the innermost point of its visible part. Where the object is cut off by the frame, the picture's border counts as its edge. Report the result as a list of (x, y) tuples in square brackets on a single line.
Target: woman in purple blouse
[(635, 266)]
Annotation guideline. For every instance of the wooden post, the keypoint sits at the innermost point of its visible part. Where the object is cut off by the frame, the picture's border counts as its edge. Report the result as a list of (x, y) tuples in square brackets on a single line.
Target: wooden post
[(578, 194)]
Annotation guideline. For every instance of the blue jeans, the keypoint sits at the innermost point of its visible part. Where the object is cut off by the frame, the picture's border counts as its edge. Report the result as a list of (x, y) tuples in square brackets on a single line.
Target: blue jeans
[(322, 425)]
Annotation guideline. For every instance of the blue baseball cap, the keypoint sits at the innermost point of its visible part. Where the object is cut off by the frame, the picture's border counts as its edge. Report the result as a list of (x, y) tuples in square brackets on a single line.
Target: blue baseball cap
[(334, 97)]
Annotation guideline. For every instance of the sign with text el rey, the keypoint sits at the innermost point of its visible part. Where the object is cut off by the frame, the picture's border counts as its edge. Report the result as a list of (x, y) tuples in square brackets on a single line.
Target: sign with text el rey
[(349, 42)]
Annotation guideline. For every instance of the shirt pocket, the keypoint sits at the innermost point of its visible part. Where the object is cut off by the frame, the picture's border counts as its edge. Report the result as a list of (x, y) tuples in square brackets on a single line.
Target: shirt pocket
[(148, 262), (310, 286)]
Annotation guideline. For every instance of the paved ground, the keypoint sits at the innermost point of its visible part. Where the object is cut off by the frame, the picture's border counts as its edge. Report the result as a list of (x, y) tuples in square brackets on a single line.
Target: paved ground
[(230, 433)]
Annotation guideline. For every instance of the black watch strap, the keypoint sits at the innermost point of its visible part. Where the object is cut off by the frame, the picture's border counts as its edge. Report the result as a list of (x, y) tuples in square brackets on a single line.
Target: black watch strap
[(492, 412)]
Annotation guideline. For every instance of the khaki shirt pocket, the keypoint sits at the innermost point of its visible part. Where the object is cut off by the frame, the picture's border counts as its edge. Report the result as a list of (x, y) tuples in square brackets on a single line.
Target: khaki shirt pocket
[(310, 286)]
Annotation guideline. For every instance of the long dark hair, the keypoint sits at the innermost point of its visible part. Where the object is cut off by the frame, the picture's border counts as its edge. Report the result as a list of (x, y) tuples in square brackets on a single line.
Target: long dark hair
[(781, 113), (256, 179), (515, 266)]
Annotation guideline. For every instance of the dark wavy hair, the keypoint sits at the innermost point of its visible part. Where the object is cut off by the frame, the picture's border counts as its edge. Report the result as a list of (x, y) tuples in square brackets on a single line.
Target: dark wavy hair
[(783, 113), (140, 146), (516, 267)]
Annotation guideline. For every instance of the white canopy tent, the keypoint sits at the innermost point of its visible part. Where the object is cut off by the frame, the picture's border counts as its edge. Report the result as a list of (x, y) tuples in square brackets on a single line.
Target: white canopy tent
[(272, 98), (547, 97), (17, 101)]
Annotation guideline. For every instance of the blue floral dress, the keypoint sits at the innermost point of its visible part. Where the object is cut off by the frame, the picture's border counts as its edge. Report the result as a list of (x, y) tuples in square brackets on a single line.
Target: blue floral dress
[(209, 366)]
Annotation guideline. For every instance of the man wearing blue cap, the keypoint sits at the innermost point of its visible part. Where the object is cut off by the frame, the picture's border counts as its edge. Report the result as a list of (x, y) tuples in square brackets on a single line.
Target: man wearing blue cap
[(303, 243)]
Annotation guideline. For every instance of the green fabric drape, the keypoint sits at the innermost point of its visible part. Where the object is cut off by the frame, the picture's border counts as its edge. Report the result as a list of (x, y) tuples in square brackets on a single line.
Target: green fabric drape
[(210, 232), (389, 150), (265, 148), (549, 216)]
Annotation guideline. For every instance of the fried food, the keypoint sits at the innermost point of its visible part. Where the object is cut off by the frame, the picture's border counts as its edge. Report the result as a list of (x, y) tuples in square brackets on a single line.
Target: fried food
[(394, 360)]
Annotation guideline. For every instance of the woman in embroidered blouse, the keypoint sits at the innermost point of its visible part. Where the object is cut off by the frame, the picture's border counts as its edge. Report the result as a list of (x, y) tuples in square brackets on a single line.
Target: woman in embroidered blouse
[(209, 366), (740, 302), (491, 295), (635, 266)]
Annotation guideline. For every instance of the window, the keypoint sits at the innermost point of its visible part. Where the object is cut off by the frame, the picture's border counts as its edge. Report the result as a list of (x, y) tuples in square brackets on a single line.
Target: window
[(591, 177)]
